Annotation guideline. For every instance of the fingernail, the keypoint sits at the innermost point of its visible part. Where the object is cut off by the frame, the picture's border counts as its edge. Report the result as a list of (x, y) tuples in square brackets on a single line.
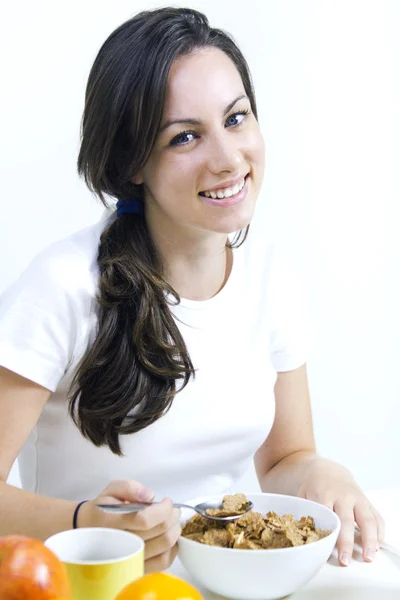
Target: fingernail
[(345, 559), (145, 495), (369, 554)]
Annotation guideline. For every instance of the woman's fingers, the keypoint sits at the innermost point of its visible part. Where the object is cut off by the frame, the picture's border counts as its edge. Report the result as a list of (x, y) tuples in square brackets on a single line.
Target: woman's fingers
[(163, 543), (371, 526), (117, 491), (369, 530), (381, 527), (161, 539), (154, 517), (158, 524), (345, 541), (126, 490), (160, 529), (161, 562)]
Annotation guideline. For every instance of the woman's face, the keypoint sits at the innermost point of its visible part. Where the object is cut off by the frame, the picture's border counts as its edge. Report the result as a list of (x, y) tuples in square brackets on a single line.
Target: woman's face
[(206, 168)]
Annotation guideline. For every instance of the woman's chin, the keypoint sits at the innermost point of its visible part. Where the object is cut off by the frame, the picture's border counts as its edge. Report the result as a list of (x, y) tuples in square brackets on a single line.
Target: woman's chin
[(234, 222)]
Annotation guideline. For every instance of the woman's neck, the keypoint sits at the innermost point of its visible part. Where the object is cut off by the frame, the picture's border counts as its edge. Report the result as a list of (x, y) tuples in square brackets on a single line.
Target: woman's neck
[(199, 278), (196, 264)]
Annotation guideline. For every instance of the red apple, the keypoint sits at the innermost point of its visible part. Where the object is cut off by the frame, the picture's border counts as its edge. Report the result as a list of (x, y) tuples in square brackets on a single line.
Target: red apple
[(30, 571)]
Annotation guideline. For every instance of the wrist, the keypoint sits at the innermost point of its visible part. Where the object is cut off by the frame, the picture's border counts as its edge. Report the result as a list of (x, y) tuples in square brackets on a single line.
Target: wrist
[(325, 464), (324, 473)]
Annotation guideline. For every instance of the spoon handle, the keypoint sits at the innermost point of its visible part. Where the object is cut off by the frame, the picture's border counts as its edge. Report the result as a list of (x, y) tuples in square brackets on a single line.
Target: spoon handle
[(126, 508)]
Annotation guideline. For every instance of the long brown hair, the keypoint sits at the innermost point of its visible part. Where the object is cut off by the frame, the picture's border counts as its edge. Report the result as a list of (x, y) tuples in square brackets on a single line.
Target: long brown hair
[(139, 353)]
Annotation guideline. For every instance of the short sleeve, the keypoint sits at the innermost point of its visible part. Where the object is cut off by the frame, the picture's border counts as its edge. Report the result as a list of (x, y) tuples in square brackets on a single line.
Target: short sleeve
[(40, 317), (291, 334)]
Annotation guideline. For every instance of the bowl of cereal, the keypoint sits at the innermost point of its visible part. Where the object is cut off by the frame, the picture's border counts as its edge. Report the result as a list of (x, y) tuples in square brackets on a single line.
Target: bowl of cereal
[(269, 553)]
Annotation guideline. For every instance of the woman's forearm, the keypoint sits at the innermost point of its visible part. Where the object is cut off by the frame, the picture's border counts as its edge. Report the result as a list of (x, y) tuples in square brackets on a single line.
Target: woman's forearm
[(29, 514)]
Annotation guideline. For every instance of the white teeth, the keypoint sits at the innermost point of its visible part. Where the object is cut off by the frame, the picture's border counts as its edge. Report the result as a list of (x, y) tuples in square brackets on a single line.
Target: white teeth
[(227, 192)]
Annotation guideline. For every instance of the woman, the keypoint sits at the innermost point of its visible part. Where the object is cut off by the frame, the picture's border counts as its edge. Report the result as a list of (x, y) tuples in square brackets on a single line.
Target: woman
[(158, 351)]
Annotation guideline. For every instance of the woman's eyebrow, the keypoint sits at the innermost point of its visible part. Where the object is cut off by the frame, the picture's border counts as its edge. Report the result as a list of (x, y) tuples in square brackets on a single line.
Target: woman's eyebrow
[(188, 121)]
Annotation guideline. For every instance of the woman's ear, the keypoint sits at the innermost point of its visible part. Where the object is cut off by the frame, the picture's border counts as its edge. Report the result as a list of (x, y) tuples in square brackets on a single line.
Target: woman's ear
[(138, 179)]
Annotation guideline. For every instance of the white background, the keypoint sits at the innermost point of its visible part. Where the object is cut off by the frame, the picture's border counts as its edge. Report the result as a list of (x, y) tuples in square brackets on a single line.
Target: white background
[(327, 77)]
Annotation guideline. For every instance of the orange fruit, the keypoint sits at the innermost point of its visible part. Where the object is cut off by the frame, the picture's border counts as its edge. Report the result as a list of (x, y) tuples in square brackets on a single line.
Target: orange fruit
[(159, 586), (29, 570)]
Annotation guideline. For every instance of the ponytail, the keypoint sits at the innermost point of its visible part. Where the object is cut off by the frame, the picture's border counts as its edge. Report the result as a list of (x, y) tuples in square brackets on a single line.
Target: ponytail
[(139, 352)]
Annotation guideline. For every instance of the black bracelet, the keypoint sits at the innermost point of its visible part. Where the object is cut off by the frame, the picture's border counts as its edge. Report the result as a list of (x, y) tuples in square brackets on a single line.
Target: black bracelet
[(75, 517)]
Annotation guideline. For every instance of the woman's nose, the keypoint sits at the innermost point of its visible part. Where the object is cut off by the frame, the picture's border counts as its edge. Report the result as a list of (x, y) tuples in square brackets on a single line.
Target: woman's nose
[(223, 155)]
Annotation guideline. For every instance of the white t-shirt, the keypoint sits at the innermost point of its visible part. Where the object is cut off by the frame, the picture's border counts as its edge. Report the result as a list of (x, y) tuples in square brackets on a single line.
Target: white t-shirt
[(255, 326)]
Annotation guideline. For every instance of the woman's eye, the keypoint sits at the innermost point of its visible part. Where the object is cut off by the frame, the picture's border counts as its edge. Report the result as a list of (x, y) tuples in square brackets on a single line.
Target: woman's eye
[(186, 137), (183, 138), (237, 118)]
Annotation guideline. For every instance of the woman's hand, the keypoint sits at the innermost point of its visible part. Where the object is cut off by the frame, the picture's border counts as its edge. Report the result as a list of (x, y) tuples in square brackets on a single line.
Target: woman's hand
[(157, 525), (330, 484)]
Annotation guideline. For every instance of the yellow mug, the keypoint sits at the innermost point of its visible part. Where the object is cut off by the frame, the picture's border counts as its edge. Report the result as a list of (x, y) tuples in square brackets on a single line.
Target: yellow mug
[(99, 561)]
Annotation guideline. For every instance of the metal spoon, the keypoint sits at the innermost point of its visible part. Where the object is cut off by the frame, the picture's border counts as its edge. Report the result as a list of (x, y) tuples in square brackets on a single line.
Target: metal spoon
[(125, 508)]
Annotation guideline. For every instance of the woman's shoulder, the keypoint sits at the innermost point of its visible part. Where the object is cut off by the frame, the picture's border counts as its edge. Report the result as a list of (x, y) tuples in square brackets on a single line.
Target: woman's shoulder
[(71, 262), (47, 313), (63, 273)]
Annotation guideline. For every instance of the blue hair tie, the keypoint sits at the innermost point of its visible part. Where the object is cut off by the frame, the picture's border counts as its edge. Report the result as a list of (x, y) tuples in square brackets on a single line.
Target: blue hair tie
[(130, 205)]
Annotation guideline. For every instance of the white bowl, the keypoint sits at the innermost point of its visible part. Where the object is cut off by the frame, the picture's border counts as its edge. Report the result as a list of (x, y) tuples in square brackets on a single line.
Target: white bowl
[(261, 574)]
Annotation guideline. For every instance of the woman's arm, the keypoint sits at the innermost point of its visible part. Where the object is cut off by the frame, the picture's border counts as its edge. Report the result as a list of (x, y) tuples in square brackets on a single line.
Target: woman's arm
[(288, 463), (21, 403), (281, 461)]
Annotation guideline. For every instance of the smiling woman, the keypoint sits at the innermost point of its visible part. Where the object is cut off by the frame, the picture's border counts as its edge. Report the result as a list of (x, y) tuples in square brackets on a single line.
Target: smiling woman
[(164, 348), (223, 148)]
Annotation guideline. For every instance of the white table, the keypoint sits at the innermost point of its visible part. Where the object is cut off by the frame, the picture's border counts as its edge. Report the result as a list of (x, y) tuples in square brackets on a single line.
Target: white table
[(379, 580)]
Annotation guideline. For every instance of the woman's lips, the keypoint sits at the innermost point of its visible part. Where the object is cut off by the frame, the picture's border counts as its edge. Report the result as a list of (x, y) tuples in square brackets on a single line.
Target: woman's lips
[(227, 202)]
